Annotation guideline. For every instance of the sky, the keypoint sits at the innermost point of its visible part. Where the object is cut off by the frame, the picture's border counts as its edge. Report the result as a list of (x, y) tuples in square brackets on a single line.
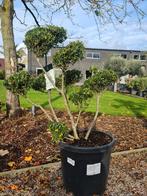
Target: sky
[(129, 35)]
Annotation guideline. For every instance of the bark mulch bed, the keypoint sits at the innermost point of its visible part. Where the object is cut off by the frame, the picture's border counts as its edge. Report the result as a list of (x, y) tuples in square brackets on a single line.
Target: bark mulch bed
[(29, 143), (127, 178)]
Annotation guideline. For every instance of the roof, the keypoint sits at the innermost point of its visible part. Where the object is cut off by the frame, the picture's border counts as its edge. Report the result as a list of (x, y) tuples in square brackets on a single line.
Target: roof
[(122, 50), (106, 49)]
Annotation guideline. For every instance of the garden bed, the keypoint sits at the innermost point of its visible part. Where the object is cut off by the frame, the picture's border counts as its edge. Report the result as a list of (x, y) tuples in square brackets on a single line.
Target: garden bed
[(127, 177), (29, 143)]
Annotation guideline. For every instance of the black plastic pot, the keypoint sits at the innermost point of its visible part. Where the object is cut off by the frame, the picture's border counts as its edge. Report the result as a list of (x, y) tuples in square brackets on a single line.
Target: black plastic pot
[(85, 169)]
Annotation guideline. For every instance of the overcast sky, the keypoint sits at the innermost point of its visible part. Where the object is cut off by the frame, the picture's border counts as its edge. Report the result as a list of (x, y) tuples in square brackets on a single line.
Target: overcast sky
[(129, 35)]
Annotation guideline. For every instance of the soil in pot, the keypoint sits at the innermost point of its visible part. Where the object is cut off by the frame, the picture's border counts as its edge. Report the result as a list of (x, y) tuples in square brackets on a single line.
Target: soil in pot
[(96, 138)]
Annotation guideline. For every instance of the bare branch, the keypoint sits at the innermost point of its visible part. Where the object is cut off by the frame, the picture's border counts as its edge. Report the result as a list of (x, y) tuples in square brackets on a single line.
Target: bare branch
[(39, 106), (78, 118), (27, 8), (21, 22), (95, 117), (51, 107), (139, 13)]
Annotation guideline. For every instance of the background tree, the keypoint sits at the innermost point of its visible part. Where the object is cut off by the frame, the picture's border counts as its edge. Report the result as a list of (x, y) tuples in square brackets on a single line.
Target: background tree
[(104, 12), (138, 84), (144, 70), (135, 68), (118, 65)]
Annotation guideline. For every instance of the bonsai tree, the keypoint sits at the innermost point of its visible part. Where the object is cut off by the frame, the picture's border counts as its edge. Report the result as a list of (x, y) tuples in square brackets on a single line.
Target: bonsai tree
[(40, 40), (93, 86), (64, 59)]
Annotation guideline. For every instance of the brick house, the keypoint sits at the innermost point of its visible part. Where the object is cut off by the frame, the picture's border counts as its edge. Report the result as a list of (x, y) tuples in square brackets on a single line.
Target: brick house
[(93, 57)]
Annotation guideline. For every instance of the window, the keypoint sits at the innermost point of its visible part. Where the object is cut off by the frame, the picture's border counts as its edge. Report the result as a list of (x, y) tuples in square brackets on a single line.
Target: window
[(136, 56), (89, 55), (124, 56), (96, 55), (142, 57), (39, 71), (92, 55)]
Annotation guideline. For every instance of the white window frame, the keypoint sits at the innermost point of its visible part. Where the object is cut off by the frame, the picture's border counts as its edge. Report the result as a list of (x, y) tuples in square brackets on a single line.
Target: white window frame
[(38, 68), (139, 55), (92, 55)]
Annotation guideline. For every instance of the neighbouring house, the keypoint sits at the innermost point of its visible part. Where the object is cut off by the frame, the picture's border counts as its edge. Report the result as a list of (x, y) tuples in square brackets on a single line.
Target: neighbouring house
[(22, 56), (2, 64), (93, 58)]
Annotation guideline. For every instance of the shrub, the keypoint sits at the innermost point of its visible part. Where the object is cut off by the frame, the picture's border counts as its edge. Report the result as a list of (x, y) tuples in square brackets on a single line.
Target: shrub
[(69, 55), (38, 83), (58, 131), (41, 39), (100, 80), (139, 84), (2, 74), (19, 83), (70, 77)]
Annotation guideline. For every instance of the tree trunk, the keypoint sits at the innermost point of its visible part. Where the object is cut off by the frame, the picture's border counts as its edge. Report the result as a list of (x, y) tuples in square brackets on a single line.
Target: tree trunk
[(7, 12)]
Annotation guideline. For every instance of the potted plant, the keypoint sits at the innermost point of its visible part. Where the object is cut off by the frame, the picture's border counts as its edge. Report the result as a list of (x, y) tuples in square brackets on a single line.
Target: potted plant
[(85, 154)]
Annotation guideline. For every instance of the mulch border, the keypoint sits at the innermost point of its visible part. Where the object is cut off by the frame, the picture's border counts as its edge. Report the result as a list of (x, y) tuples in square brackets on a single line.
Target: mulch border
[(57, 165)]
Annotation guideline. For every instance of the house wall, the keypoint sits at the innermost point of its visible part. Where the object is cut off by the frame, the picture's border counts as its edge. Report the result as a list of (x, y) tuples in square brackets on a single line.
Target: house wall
[(85, 64)]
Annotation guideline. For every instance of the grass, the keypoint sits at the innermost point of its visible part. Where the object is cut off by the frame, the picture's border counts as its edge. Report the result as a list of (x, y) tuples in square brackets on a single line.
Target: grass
[(110, 103)]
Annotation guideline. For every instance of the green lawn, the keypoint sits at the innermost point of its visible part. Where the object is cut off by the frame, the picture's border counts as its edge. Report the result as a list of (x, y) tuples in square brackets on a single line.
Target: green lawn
[(111, 103)]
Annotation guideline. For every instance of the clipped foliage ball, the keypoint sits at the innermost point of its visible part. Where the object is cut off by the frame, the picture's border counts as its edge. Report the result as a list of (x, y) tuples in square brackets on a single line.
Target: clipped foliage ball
[(101, 80), (38, 83), (69, 55), (81, 97), (19, 83), (41, 39), (72, 76)]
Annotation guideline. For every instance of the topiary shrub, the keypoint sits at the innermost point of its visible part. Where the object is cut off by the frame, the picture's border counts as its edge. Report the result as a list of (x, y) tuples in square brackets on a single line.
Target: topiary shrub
[(19, 83), (70, 77), (41, 39), (69, 55)]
